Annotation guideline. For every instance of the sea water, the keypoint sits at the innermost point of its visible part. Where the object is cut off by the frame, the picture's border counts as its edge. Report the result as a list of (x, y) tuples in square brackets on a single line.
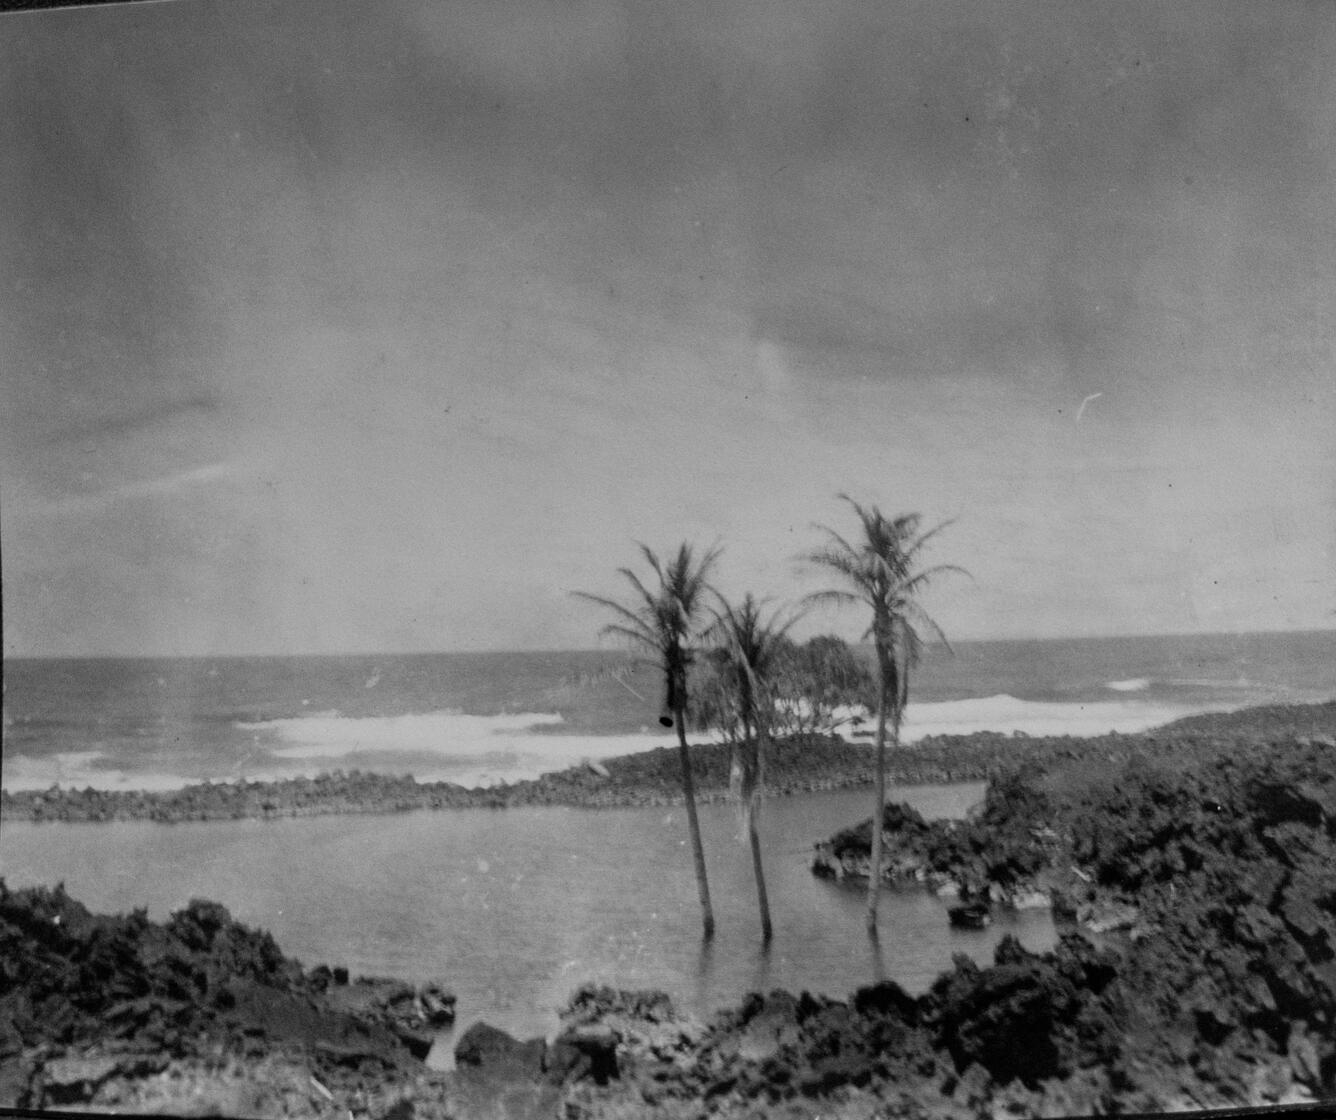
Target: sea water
[(478, 719)]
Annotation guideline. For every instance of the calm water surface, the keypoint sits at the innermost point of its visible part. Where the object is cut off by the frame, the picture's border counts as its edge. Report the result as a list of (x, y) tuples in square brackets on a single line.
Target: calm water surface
[(516, 908)]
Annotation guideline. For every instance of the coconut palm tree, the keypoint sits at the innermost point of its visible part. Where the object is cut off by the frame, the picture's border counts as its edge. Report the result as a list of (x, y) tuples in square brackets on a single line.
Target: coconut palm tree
[(880, 572), (748, 648), (664, 619)]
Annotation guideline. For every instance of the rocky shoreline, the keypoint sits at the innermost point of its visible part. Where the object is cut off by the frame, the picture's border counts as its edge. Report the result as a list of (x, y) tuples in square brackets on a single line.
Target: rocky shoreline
[(1222, 993), (1225, 997), (1043, 834), (803, 764)]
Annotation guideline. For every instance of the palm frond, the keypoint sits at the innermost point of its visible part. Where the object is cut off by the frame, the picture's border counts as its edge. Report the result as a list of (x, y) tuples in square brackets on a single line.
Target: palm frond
[(691, 581), (651, 559), (912, 609), (637, 635), (631, 617), (918, 545), (852, 565), (832, 596), (919, 580), (640, 589), (866, 514), (837, 543)]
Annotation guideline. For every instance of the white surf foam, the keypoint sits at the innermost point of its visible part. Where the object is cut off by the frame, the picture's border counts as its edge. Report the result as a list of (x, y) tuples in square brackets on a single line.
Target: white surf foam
[(1007, 714), (329, 735), (468, 750), (75, 770), (474, 751), (1136, 684)]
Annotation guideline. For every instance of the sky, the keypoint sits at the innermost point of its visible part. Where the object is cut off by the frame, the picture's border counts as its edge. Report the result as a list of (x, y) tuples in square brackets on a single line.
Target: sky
[(333, 326)]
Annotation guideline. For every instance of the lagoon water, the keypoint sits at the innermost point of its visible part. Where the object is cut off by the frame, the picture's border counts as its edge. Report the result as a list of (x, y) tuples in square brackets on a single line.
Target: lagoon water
[(514, 909)]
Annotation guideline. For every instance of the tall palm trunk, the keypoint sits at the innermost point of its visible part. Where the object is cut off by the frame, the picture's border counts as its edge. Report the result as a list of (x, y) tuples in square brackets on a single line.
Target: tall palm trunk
[(901, 702), (664, 620), (693, 824), (886, 685), (753, 812), (881, 572), (879, 781)]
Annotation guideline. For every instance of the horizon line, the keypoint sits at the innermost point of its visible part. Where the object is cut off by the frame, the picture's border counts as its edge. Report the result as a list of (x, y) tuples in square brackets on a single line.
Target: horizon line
[(275, 655)]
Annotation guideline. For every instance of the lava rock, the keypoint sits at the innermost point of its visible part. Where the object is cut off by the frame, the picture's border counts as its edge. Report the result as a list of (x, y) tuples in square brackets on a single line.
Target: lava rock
[(485, 1047)]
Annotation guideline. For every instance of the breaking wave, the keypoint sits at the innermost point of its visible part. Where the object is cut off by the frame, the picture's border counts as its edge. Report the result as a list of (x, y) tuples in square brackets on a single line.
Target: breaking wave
[(81, 770), (1136, 684), (1007, 714), (442, 746)]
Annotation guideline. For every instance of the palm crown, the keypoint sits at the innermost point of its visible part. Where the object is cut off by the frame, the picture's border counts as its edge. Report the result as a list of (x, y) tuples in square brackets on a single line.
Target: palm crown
[(750, 645), (664, 621), (880, 572)]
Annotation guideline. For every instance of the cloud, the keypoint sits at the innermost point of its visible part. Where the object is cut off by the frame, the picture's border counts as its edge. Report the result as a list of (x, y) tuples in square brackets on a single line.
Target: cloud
[(165, 486), (115, 418)]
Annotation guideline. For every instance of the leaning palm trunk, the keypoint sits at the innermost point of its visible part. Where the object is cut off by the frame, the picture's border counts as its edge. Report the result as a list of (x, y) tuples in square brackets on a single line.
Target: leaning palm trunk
[(753, 803), (749, 644), (747, 786), (663, 621), (693, 824)]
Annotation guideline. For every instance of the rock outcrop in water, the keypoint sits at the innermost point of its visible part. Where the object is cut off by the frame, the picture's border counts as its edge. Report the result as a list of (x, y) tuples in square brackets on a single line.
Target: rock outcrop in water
[(1093, 840), (1007, 851)]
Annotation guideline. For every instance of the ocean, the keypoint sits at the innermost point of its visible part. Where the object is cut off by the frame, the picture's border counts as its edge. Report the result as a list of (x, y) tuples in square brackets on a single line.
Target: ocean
[(515, 909), (478, 719)]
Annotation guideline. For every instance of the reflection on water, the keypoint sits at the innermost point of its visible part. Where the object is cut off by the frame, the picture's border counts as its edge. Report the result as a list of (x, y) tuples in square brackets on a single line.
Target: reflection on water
[(515, 909)]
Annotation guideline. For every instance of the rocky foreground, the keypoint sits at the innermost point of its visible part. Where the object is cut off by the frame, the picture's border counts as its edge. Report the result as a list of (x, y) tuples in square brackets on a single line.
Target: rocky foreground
[(1215, 986), (199, 1013), (1222, 993), (802, 764)]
